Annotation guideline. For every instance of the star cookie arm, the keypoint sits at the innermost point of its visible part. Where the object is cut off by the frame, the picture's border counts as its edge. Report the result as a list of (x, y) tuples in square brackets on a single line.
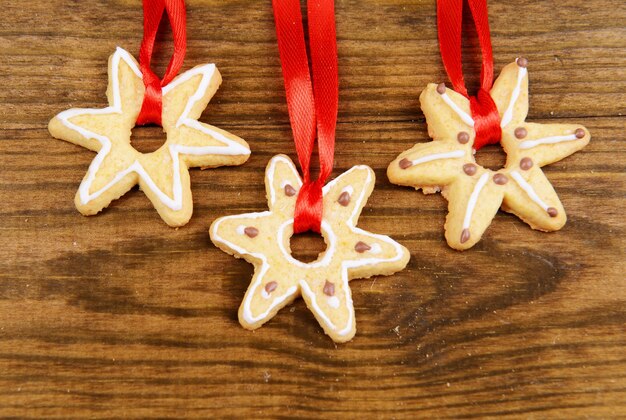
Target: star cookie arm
[(542, 144), (165, 180), (106, 180), (346, 195), (368, 254), (429, 166), (245, 235), (330, 300), (110, 174), (510, 93), (253, 237), (530, 191), (447, 112), (282, 184), (270, 291), (199, 144), (86, 126), (473, 201)]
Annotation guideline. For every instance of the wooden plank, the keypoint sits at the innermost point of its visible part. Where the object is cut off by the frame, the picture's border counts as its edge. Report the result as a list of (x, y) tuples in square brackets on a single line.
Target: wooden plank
[(120, 316)]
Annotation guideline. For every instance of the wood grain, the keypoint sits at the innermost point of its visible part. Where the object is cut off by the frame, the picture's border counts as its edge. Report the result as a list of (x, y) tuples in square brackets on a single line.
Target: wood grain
[(120, 316)]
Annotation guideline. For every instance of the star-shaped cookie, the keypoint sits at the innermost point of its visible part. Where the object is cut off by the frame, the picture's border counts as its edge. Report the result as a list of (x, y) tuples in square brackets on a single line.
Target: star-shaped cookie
[(475, 193), (163, 174), (263, 240)]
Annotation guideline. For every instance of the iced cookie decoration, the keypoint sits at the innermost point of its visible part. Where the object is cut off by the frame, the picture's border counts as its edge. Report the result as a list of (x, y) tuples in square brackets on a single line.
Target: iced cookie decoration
[(460, 125), (475, 193), (263, 240), (300, 204), (162, 175)]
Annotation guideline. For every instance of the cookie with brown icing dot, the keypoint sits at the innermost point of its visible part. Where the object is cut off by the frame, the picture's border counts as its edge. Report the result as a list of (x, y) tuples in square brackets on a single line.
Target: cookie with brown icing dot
[(476, 193), (351, 252)]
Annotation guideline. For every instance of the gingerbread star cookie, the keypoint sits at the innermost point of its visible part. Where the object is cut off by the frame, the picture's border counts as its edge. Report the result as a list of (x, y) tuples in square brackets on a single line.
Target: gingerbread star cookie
[(163, 174), (263, 240), (475, 193)]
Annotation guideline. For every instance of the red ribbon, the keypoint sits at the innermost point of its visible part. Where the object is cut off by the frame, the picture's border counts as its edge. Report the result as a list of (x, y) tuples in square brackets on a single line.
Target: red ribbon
[(312, 106), (484, 110), (152, 13)]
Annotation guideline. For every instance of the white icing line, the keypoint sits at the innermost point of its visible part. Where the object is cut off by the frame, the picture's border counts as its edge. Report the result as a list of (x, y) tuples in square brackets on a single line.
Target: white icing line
[(131, 63), (247, 312), (174, 203), (345, 265), (508, 114), (471, 204), (528, 144), (277, 301), (207, 71), (270, 175), (462, 114), (328, 254), (231, 245), (376, 249), (436, 156), (311, 295), (529, 190), (115, 108), (333, 302)]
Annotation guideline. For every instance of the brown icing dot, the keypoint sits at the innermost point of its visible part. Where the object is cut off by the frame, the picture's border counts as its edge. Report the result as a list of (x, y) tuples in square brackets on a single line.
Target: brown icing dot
[(441, 88), (552, 212), (289, 190), (465, 235), (522, 62), (329, 288), (344, 198), (520, 132), (500, 179), (361, 247), (580, 133), (271, 286), (405, 163), (526, 163), (470, 169), (462, 137), (251, 231)]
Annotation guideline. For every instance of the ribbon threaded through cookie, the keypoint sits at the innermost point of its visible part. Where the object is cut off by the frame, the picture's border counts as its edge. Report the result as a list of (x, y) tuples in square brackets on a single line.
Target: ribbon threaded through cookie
[(312, 106), (449, 27), (152, 105)]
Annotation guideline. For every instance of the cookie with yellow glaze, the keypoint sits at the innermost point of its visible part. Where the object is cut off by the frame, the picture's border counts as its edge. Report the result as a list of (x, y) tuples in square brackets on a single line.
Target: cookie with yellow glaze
[(475, 193), (263, 240), (163, 175)]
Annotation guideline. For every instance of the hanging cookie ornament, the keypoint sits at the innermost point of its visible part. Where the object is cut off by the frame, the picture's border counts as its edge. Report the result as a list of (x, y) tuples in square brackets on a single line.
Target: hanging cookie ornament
[(137, 97), (301, 204), (460, 125)]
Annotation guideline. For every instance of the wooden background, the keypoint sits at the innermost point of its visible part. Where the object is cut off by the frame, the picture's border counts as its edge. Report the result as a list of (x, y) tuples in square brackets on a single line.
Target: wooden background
[(118, 315)]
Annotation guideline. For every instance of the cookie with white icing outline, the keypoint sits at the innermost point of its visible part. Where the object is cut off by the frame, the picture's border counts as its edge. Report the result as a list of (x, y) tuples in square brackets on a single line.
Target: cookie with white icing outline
[(163, 174), (263, 240), (475, 193)]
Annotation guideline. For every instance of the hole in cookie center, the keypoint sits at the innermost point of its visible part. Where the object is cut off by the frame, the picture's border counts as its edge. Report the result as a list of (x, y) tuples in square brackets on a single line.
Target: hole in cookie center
[(306, 247), (147, 139), (491, 157)]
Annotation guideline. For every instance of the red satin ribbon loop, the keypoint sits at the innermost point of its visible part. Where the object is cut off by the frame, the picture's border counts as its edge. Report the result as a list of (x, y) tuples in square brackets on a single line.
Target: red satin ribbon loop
[(449, 27), (312, 106), (486, 119), (309, 207), (152, 105)]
